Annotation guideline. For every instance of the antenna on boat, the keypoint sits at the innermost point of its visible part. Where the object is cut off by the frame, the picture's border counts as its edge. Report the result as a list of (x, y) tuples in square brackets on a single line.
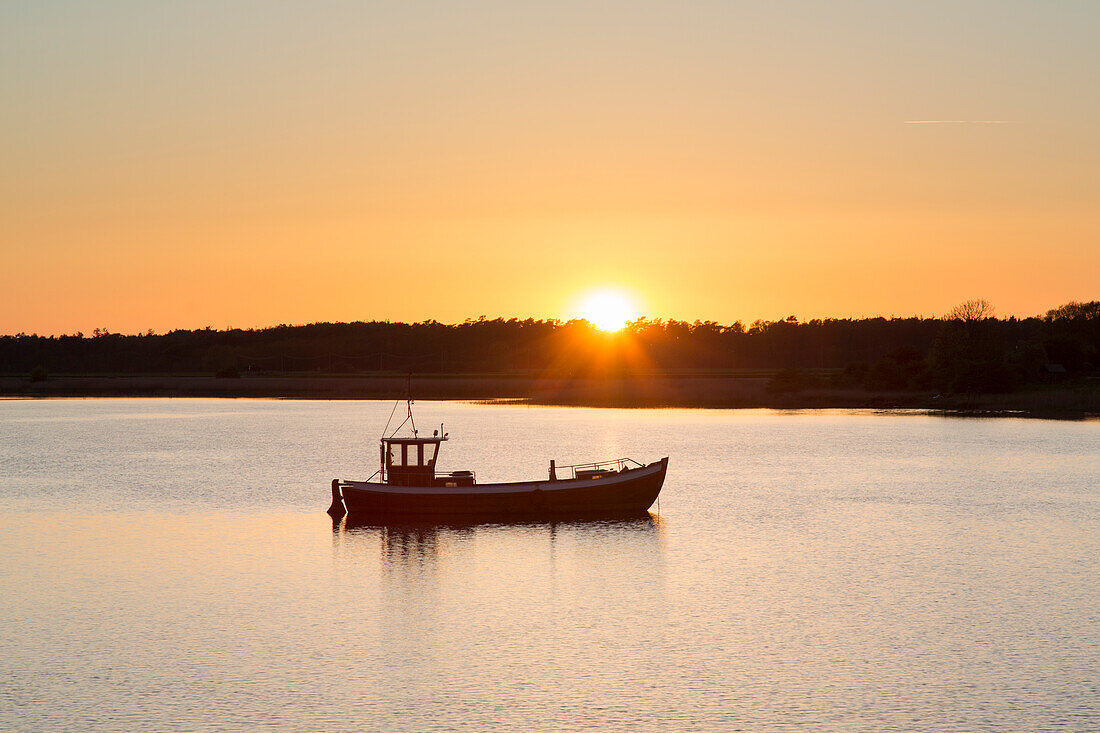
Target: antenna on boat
[(409, 414), (409, 400)]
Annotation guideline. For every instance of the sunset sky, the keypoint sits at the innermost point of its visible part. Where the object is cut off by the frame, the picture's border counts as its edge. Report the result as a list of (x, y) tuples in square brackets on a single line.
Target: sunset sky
[(177, 165)]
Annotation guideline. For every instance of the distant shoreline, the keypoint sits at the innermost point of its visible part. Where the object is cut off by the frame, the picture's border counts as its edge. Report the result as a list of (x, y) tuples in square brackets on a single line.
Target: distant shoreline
[(690, 391)]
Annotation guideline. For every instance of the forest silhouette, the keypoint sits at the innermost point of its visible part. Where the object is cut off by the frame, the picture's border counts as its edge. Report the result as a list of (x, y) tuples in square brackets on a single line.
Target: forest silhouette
[(967, 350)]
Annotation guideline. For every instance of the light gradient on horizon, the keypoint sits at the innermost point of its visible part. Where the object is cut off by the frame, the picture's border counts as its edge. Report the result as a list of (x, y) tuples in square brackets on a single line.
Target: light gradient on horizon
[(176, 165)]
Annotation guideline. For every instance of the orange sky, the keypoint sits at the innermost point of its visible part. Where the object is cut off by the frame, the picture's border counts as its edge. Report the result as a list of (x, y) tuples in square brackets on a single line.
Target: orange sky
[(196, 164)]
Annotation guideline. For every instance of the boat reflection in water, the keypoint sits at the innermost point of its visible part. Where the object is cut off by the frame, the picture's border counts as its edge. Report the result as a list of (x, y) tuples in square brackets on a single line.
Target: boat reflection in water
[(635, 538), (427, 597)]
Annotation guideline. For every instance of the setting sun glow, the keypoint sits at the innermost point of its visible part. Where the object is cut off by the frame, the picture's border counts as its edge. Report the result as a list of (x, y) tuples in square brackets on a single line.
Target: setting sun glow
[(608, 310), (181, 165)]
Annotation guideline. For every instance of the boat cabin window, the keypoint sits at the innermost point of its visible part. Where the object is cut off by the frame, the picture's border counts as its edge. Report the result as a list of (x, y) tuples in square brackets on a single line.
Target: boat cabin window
[(411, 455)]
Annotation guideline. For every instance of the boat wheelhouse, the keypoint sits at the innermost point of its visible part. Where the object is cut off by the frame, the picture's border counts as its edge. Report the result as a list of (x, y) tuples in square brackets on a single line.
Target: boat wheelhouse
[(411, 462)]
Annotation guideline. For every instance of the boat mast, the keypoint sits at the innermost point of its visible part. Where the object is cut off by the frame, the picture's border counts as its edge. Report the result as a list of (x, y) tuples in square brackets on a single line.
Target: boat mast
[(408, 419), (409, 401)]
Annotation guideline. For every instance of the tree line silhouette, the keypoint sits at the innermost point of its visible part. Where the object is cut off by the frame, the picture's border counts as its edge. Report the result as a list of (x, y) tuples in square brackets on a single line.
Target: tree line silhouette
[(968, 349)]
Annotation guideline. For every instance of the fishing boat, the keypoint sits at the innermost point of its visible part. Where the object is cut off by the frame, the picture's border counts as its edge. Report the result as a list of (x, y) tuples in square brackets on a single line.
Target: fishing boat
[(407, 486)]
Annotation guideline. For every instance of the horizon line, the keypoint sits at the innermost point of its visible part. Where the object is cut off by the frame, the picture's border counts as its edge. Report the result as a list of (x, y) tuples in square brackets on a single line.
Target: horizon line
[(561, 321)]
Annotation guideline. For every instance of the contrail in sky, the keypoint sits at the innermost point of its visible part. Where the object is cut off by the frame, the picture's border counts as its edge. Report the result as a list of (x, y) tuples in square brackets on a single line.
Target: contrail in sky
[(959, 122)]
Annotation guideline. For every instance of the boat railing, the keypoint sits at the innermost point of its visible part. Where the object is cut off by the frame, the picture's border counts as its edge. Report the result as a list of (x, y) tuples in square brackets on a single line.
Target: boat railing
[(581, 470), (457, 474), (471, 475)]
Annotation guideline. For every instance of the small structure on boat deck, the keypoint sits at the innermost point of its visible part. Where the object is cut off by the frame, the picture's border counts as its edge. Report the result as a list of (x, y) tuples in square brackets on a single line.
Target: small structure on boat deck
[(411, 462), (408, 487)]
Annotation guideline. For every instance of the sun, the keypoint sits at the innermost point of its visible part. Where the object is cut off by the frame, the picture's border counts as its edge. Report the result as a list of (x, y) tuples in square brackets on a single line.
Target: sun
[(607, 309)]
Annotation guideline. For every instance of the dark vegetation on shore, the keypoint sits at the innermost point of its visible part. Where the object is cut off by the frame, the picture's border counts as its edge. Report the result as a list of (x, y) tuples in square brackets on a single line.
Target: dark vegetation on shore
[(967, 355)]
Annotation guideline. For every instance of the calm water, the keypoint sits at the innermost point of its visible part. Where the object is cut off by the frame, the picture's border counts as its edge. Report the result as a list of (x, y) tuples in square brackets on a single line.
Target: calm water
[(167, 565)]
